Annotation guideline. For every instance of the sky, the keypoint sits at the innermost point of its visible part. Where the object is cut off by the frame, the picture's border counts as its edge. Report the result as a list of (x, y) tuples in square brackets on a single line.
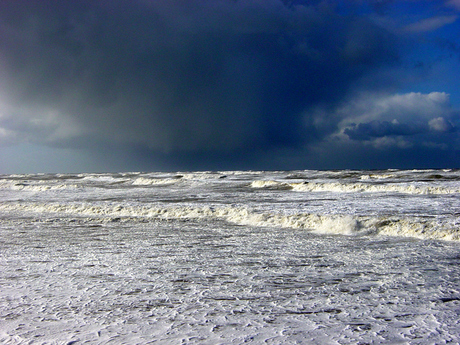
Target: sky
[(167, 85)]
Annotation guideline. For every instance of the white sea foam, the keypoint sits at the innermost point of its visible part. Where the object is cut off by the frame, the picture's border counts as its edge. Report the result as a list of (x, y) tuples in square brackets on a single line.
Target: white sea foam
[(230, 257)]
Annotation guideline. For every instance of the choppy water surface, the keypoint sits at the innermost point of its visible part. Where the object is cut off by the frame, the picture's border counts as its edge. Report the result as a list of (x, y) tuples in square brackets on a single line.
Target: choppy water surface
[(333, 257)]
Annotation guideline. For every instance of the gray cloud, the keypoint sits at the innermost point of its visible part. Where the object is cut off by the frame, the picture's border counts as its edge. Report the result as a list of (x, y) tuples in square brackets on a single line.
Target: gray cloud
[(206, 84), (378, 129), (401, 121), (453, 3), (179, 76), (430, 24)]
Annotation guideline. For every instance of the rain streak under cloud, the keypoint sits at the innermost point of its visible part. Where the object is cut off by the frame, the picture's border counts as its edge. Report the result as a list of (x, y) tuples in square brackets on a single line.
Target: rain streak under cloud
[(222, 84)]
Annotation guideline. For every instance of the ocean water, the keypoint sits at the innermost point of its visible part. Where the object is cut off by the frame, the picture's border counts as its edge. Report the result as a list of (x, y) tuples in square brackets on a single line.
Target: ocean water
[(306, 257)]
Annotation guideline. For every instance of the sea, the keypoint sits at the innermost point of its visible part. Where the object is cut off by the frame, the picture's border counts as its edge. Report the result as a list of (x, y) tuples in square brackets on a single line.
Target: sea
[(231, 257)]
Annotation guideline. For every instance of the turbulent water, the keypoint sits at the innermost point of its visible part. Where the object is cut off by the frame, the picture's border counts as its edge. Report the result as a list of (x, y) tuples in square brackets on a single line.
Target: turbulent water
[(308, 257)]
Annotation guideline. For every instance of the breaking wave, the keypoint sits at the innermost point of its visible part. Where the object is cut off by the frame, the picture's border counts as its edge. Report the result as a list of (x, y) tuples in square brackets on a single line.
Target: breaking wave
[(417, 227), (144, 181), (25, 186), (405, 188)]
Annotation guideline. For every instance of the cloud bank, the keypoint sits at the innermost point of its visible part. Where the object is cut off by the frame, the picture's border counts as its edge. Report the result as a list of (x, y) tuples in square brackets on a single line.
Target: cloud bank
[(402, 120), (211, 79)]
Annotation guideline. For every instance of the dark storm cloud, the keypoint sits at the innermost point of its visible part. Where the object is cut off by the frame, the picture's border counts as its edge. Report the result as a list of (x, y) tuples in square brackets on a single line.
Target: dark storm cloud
[(179, 76), (378, 129)]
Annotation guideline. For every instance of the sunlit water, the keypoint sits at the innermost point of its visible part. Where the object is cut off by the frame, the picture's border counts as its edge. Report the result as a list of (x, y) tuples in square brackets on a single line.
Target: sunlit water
[(305, 257)]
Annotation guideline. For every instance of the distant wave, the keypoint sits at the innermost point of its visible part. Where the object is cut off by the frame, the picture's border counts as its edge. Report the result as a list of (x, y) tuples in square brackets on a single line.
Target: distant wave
[(144, 181), (269, 184), (377, 176), (35, 187), (417, 227), (406, 188)]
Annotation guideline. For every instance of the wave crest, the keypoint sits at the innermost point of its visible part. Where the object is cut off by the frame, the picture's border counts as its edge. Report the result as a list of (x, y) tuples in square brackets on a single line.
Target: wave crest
[(357, 187), (318, 223)]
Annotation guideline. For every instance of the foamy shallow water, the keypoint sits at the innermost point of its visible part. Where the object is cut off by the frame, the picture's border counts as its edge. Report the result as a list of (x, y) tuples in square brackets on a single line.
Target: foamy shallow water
[(212, 260)]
